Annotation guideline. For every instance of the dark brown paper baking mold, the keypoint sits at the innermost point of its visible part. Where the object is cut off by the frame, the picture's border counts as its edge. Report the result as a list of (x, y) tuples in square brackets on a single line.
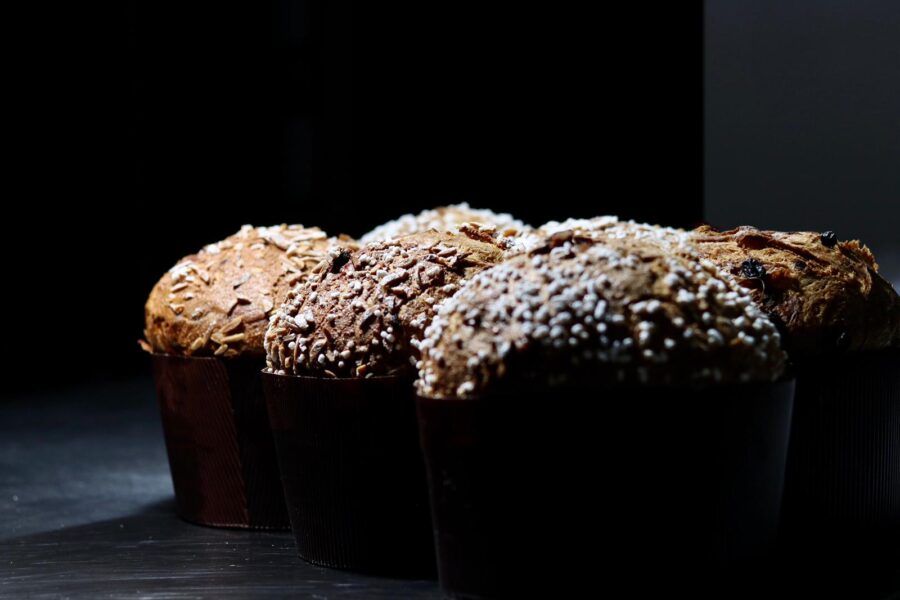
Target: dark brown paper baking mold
[(842, 491), (542, 489), (353, 472), (220, 447)]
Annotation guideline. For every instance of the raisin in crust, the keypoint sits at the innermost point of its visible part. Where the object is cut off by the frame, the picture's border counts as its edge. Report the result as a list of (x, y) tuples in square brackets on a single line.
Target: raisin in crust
[(358, 316), (635, 306), (826, 295), (217, 302)]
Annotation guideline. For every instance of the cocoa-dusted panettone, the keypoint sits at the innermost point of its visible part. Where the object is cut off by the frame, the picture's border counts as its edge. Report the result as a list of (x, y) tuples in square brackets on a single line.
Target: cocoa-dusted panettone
[(448, 219), (217, 302), (357, 317), (639, 307), (825, 294)]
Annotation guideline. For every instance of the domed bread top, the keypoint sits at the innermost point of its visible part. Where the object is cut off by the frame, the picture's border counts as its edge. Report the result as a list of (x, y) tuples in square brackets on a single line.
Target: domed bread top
[(825, 295), (598, 229), (217, 302), (356, 318), (636, 308), (448, 219), (585, 227)]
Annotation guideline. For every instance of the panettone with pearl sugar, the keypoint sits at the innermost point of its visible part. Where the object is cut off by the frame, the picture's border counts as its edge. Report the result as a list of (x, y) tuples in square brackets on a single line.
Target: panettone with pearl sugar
[(605, 304)]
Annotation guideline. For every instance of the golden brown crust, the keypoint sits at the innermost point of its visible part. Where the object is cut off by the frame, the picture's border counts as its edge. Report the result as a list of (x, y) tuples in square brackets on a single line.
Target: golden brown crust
[(358, 316), (826, 295), (217, 302), (635, 305)]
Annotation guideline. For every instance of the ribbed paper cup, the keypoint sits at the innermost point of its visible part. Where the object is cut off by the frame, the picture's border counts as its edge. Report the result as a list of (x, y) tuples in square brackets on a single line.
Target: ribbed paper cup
[(353, 473), (553, 490), (842, 492), (220, 447)]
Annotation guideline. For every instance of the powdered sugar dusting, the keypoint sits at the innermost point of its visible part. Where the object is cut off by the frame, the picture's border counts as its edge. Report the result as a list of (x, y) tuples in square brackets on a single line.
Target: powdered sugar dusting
[(446, 219)]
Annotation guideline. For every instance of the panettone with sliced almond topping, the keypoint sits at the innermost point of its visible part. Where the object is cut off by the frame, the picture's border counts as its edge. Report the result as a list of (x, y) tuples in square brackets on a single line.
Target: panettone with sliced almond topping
[(217, 302)]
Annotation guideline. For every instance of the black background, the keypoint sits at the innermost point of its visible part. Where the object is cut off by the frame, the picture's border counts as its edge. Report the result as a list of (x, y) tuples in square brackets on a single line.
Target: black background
[(140, 131)]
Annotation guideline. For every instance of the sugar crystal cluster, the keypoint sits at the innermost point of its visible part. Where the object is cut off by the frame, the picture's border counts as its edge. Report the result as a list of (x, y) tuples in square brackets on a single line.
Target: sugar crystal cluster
[(503, 226)]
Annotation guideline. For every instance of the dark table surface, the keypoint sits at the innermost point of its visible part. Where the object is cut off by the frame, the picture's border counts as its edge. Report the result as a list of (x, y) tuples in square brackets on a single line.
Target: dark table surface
[(87, 511)]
